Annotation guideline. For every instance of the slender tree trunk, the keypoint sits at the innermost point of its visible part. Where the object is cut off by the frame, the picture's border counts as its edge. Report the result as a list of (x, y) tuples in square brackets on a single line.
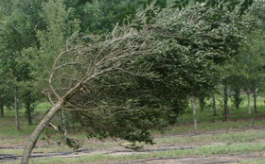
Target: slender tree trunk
[(2, 110), (64, 125), (45, 121), (249, 109), (226, 110), (73, 119), (16, 109), (202, 103), (193, 103), (37, 132), (214, 105), (255, 100), (237, 97), (28, 112)]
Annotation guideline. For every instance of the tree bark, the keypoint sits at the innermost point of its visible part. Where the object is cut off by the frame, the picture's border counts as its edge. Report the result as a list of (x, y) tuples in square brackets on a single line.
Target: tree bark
[(202, 103), (37, 132), (237, 97), (64, 125), (2, 110), (45, 121), (193, 103), (255, 100), (226, 110), (28, 112), (16, 109), (214, 105), (249, 109)]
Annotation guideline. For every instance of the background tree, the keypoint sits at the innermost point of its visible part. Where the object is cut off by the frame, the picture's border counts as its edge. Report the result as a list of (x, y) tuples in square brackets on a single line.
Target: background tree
[(17, 32)]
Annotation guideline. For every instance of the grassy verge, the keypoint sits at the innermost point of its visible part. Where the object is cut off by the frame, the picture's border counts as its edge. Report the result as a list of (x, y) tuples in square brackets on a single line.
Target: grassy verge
[(253, 161), (202, 151), (216, 137)]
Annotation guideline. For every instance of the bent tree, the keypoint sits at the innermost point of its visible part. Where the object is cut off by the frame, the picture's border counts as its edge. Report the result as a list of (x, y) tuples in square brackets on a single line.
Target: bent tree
[(78, 70), (75, 69)]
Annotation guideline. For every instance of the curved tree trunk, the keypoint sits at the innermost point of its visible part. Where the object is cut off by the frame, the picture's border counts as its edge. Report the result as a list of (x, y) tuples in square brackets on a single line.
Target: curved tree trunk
[(38, 130), (45, 121)]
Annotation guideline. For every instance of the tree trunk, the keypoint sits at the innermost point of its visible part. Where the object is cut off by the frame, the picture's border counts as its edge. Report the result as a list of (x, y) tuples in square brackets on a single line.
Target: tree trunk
[(28, 112), (64, 125), (16, 109), (237, 97), (73, 119), (202, 103), (2, 110), (255, 100), (45, 121), (38, 130), (193, 103), (226, 110), (249, 109), (214, 105)]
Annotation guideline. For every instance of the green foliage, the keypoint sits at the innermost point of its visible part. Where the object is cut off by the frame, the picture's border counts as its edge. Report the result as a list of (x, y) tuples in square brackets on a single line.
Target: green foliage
[(60, 30), (151, 90), (248, 65), (100, 16), (17, 33), (158, 5)]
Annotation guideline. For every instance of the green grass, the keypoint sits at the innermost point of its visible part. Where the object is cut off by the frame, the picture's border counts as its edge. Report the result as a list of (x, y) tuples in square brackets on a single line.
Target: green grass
[(235, 138), (232, 137), (253, 161), (205, 145), (211, 126), (8, 127), (202, 151), (41, 108)]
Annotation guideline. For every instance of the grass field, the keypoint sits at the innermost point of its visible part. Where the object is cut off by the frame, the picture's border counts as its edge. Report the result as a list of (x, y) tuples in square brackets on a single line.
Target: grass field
[(216, 141)]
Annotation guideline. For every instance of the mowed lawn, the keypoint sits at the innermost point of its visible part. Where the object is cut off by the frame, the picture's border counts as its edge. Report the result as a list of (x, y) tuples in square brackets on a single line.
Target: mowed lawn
[(223, 140)]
